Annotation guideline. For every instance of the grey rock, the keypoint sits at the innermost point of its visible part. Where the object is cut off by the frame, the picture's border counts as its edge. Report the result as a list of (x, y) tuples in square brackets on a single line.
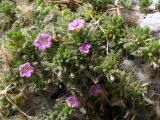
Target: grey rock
[(152, 21)]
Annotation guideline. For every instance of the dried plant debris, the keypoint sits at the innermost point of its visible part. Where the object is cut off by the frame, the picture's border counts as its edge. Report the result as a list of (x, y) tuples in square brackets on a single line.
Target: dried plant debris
[(77, 60)]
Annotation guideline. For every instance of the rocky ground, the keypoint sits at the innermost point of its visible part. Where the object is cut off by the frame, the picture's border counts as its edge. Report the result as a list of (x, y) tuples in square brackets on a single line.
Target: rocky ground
[(150, 19), (38, 104)]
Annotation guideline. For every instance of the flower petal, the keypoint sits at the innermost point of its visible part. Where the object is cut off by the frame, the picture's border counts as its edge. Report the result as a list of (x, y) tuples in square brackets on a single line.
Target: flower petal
[(28, 74), (22, 74)]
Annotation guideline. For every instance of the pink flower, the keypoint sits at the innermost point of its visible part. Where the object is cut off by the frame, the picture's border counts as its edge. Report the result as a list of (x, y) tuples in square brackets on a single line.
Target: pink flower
[(72, 102), (94, 90), (43, 41), (26, 70), (76, 24), (84, 48)]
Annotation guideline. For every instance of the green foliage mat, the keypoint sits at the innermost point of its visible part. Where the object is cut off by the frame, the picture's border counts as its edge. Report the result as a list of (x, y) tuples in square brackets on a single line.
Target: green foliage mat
[(123, 95)]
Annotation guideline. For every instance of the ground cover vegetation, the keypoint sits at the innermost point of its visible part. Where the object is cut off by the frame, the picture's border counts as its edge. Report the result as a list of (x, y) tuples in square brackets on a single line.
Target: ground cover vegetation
[(78, 49)]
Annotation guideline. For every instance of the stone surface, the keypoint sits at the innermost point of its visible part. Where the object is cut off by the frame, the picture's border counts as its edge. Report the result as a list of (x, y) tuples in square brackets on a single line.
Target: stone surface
[(152, 21)]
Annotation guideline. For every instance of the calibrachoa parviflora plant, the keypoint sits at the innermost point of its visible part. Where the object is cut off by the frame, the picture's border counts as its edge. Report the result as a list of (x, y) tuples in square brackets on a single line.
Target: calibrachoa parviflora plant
[(76, 25), (85, 48), (72, 102), (26, 70), (83, 52), (94, 90), (43, 41)]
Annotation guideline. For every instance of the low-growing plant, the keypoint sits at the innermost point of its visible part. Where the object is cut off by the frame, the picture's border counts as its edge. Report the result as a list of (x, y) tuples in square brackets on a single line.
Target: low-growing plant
[(158, 6), (144, 4), (126, 3), (82, 51)]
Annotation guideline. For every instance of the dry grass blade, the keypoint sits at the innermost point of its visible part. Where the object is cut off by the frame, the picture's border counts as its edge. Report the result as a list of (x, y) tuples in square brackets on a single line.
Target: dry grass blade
[(17, 107)]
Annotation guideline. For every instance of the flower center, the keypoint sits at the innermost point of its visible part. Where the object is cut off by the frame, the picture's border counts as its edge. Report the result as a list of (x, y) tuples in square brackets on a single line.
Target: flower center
[(42, 41), (25, 69), (84, 48)]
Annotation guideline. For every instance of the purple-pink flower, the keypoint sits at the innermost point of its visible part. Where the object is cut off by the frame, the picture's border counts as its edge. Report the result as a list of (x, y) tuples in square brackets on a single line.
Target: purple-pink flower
[(72, 102), (84, 48), (94, 90), (43, 41), (25, 70), (76, 24)]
